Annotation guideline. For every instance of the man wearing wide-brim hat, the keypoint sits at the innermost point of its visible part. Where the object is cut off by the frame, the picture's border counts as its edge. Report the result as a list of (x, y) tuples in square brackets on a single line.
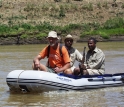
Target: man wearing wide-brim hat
[(74, 54), (56, 63)]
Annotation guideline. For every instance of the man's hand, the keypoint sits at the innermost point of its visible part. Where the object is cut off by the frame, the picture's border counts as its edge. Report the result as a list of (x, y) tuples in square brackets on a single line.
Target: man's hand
[(83, 66), (57, 69), (36, 64)]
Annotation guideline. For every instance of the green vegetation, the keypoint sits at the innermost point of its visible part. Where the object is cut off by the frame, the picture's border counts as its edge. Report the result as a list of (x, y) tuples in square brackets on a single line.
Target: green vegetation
[(112, 27)]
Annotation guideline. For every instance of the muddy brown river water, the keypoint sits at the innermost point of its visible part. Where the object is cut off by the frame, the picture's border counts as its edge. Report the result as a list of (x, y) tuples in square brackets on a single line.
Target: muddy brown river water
[(20, 57)]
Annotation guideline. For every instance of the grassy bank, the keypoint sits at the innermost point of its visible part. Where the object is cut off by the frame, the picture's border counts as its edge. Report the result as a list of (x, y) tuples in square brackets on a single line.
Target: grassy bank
[(112, 27), (26, 19)]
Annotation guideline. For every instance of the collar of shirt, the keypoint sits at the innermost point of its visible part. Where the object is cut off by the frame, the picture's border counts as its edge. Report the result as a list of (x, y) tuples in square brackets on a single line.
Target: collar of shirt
[(95, 50)]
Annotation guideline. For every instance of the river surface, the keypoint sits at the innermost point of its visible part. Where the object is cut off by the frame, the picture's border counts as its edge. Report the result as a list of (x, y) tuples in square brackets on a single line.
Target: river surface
[(20, 57)]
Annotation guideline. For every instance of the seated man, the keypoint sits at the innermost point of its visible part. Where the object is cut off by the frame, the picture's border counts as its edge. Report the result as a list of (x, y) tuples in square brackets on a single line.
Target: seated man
[(56, 63), (74, 54), (95, 60)]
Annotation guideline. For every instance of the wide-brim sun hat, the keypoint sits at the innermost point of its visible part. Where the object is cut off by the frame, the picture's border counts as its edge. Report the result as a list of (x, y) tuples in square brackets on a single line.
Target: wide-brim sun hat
[(52, 34), (68, 37)]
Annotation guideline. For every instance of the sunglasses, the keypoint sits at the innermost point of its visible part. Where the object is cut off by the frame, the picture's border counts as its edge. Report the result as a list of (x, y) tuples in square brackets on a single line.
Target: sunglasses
[(69, 40)]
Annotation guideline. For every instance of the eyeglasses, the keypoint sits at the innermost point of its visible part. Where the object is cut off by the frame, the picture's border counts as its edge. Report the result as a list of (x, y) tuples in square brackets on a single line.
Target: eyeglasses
[(71, 40)]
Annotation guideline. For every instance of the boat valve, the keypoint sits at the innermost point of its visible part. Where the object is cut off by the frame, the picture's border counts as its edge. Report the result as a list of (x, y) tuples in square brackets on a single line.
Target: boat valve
[(23, 90)]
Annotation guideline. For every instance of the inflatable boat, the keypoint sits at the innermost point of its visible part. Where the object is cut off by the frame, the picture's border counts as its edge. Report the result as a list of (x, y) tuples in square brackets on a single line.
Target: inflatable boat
[(38, 81)]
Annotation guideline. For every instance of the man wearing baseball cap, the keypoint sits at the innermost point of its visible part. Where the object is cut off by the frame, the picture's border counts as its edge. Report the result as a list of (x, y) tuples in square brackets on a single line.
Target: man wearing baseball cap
[(74, 54), (56, 63)]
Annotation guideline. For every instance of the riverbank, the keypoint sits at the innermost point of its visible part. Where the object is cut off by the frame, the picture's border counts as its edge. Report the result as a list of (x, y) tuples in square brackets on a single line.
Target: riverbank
[(100, 39), (29, 21), (15, 41)]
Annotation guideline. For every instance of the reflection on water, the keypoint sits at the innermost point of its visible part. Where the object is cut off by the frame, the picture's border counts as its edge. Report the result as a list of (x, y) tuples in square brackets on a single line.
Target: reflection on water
[(20, 57)]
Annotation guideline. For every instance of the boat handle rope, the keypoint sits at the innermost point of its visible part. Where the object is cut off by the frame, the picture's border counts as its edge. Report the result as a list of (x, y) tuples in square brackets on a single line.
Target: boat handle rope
[(18, 80)]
